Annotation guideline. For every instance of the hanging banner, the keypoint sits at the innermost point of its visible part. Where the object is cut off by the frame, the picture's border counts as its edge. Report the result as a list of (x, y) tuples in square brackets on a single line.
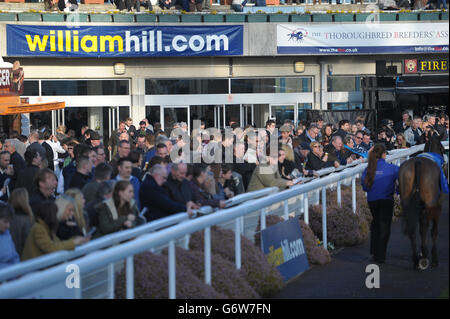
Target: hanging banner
[(123, 41), (284, 248), (11, 79), (362, 38)]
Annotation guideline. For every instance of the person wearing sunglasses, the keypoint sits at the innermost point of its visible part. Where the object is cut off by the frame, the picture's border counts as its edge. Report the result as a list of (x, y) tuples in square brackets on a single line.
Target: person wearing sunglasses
[(316, 159)]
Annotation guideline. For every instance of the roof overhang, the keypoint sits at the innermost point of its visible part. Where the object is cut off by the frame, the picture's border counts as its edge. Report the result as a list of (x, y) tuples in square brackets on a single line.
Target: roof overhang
[(10, 105)]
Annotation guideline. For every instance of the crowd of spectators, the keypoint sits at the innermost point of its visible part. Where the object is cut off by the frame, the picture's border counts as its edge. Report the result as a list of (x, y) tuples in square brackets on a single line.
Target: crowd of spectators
[(236, 5), (57, 191)]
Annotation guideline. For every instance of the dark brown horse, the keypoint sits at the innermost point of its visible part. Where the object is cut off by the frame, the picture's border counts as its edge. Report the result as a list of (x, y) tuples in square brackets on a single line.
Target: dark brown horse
[(420, 193)]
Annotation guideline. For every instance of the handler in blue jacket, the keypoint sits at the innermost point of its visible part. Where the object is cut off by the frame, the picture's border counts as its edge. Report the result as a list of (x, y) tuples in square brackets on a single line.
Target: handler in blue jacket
[(378, 180)]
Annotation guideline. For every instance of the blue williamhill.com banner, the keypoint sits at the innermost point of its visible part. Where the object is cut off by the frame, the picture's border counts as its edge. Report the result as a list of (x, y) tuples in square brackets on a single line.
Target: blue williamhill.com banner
[(284, 248), (123, 41)]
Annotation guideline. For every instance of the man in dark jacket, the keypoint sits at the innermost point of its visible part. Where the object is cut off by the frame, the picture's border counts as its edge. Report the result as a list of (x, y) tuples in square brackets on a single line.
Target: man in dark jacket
[(154, 197), (46, 135), (26, 176), (123, 150), (6, 175), (384, 139), (335, 151), (309, 135), (17, 160), (177, 185), (80, 150), (241, 166), (400, 127), (81, 176), (344, 127), (102, 173), (45, 183), (114, 138), (33, 139)]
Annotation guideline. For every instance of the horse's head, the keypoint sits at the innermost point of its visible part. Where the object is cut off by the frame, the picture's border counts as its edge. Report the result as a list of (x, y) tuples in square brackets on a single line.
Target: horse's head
[(433, 143)]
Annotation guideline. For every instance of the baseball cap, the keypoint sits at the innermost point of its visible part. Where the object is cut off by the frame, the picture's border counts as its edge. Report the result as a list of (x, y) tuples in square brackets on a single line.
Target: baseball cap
[(95, 136), (304, 146)]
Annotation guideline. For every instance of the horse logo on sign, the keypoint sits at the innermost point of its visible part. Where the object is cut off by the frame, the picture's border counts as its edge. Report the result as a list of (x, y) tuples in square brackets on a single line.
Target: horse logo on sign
[(298, 35)]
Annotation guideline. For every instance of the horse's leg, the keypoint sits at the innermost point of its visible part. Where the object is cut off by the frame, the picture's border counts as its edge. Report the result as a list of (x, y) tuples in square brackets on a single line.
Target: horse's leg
[(423, 228), (415, 257), (434, 234)]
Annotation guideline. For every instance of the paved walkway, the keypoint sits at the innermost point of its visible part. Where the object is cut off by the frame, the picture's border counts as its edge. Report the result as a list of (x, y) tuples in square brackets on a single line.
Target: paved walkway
[(345, 276)]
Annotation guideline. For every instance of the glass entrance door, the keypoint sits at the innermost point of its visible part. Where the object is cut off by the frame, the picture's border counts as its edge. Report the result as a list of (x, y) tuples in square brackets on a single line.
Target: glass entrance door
[(57, 119), (219, 116), (232, 114), (282, 112), (174, 114), (247, 116)]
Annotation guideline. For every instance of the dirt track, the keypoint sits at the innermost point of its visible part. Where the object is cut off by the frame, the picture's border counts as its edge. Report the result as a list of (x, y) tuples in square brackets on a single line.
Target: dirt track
[(345, 276)]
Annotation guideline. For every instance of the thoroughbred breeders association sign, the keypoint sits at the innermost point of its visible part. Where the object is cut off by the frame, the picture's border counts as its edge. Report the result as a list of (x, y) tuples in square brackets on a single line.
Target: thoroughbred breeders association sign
[(362, 38)]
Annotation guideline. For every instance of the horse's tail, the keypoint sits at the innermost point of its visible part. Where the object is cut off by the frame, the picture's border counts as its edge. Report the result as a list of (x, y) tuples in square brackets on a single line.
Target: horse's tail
[(413, 206)]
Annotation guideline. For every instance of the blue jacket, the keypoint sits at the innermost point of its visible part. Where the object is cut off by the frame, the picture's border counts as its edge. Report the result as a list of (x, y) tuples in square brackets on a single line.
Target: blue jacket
[(155, 198), (439, 160), (8, 253), (148, 156), (383, 186)]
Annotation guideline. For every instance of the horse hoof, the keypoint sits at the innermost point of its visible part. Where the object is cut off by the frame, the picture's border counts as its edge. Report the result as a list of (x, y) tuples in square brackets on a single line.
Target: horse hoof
[(423, 264)]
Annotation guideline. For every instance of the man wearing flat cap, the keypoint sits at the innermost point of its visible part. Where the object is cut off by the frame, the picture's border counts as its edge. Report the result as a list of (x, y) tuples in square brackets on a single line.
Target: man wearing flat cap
[(285, 138), (94, 139)]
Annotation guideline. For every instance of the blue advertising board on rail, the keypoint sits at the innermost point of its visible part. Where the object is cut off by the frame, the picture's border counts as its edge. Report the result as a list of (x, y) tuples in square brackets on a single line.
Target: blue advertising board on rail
[(283, 245), (124, 41)]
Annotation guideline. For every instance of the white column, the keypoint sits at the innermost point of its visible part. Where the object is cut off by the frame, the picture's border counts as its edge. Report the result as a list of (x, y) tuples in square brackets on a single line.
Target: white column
[(323, 86), (137, 111)]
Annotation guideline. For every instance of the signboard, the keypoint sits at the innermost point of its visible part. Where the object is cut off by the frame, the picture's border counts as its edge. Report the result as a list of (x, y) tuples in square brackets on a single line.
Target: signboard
[(433, 66), (123, 41), (414, 66), (283, 245), (411, 66), (363, 38)]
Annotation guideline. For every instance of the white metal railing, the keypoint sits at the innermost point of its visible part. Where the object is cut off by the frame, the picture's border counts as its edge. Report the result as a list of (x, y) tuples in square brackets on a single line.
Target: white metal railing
[(43, 279), (116, 238), (94, 245)]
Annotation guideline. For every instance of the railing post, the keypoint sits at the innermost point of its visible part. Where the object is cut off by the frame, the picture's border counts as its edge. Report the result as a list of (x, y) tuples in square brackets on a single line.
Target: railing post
[(130, 277), (354, 195), (172, 271), (339, 199), (263, 218), (111, 280), (237, 242), (306, 209), (79, 291), (186, 242), (324, 217), (263, 225), (208, 255), (286, 210), (302, 198)]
